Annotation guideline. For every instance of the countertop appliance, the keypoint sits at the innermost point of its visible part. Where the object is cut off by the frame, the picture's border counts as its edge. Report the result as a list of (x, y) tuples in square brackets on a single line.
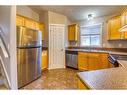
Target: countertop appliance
[(29, 48), (71, 59)]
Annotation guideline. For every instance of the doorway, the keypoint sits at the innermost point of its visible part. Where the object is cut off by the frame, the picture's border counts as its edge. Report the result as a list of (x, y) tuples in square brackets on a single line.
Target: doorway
[(56, 46)]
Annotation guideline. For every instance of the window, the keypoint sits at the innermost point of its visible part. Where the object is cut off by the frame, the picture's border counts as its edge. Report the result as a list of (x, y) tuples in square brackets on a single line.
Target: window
[(91, 35)]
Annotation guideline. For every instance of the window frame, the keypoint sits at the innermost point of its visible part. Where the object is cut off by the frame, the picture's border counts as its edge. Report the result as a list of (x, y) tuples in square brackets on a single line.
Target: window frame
[(101, 32)]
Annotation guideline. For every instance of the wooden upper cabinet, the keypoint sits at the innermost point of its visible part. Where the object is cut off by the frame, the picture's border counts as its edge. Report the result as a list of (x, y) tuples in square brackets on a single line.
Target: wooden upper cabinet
[(20, 21), (124, 18), (114, 25), (124, 21), (73, 32), (29, 23)]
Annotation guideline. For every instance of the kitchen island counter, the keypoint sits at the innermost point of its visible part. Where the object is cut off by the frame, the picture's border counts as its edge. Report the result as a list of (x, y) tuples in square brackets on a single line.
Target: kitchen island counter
[(112, 78), (98, 51)]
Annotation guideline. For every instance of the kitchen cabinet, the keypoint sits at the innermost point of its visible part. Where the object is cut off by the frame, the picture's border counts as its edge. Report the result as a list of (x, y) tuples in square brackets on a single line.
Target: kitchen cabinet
[(124, 17), (124, 21), (73, 32), (92, 61), (29, 23), (44, 59), (82, 86), (82, 61), (104, 63), (20, 21), (114, 24), (42, 29)]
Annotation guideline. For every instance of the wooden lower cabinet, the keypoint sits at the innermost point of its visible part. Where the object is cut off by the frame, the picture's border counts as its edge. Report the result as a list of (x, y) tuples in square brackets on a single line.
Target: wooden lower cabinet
[(82, 61), (92, 61), (82, 86), (44, 59), (104, 63)]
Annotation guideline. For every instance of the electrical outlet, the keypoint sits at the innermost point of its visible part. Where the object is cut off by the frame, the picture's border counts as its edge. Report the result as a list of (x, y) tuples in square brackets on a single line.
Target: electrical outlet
[(103, 44), (120, 45)]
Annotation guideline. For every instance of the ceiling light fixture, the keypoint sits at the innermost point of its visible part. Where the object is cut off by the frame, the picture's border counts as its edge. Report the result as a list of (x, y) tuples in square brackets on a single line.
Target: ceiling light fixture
[(90, 16)]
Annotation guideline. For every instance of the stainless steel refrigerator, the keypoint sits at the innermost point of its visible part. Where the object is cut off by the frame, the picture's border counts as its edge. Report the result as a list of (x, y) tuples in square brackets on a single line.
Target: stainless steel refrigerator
[(29, 49)]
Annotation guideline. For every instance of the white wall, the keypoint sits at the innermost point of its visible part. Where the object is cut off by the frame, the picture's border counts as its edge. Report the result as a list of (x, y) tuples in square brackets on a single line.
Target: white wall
[(7, 23)]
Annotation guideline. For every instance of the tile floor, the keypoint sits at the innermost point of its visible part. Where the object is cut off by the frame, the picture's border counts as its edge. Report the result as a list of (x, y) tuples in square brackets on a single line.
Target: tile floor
[(55, 79)]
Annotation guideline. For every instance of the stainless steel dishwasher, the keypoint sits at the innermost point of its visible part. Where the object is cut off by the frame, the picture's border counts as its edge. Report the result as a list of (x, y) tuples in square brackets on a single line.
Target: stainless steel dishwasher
[(71, 59)]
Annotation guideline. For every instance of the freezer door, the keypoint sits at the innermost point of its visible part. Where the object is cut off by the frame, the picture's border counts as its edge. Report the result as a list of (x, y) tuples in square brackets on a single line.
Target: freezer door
[(28, 37), (29, 65)]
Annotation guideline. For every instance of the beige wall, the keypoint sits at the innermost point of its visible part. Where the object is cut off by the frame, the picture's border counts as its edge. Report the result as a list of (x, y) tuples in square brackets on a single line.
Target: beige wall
[(44, 19), (49, 17), (27, 12), (106, 43), (55, 18)]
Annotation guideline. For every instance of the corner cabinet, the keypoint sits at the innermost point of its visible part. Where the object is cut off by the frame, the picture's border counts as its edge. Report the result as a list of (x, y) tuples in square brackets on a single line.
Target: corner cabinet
[(114, 25), (73, 32)]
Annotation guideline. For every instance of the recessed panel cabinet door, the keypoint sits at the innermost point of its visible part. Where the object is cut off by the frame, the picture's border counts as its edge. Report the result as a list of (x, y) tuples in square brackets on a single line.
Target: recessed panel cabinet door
[(104, 63), (30, 24), (114, 25), (93, 61), (73, 32), (82, 61), (44, 59), (19, 21)]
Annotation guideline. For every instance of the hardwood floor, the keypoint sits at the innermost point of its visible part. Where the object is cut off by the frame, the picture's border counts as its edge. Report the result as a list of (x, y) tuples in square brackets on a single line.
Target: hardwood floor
[(55, 79)]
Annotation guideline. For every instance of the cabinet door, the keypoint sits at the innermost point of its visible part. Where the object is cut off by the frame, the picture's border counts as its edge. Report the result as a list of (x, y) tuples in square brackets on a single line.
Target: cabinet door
[(42, 29), (37, 25), (19, 20), (72, 32), (125, 33), (93, 61), (114, 25), (104, 63), (82, 61), (44, 59), (30, 23)]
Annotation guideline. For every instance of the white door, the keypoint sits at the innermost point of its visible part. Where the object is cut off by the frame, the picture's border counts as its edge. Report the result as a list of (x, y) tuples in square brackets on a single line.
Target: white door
[(56, 46)]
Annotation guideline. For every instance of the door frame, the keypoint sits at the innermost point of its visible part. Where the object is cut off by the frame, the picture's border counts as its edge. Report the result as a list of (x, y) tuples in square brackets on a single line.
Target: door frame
[(49, 50)]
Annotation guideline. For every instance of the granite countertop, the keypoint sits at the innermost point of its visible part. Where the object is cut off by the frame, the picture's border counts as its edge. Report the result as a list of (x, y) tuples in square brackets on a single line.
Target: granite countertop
[(99, 51), (112, 78)]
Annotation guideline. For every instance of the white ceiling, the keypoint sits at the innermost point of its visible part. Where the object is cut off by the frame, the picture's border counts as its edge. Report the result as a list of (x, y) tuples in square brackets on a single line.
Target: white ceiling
[(76, 13)]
